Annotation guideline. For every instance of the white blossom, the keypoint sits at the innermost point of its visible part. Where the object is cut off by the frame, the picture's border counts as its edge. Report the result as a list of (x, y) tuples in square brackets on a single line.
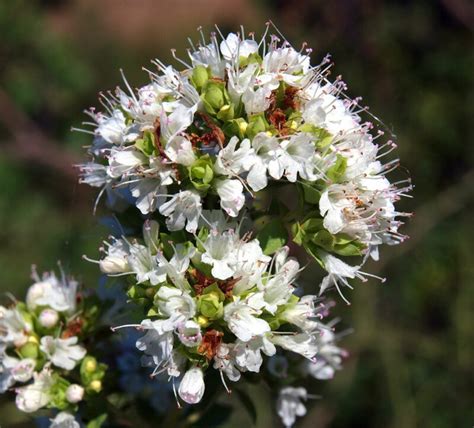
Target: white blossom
[(64, 353), (64, 420), (183, 211), (290, 404), (191, 388), (37, 395)]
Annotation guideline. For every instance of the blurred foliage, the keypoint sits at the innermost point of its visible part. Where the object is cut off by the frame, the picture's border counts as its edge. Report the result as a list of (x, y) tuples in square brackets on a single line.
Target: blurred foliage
[(412, 346)]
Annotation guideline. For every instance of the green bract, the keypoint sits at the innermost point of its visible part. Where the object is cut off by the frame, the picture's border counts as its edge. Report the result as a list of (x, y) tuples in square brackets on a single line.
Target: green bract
[(214, 96), (201, 173)]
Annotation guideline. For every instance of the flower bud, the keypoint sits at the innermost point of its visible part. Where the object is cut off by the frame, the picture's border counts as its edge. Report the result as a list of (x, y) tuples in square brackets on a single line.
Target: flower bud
[(191, 389), (201, 173), (74, 393), (90, 364), (113, 264), (226, 112), (214, 97), (210, 305), (48, 318), (29, 350), (199, 77), (96, 386)]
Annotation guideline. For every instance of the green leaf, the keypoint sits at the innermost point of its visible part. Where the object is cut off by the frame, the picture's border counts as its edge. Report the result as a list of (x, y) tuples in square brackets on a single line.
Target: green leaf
[(311, 194), (324, 239), (297, 233), (351, 249), (97, 422), (313, 250), (272, 237)]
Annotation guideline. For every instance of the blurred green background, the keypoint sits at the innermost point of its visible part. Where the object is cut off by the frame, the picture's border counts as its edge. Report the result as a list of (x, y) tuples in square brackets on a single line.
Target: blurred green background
[(412, 352)]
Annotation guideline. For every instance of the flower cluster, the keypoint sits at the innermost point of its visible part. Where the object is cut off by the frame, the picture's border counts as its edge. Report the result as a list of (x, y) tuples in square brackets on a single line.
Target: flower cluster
[(219, 302), (245, 117), (238, 161), (42, 355)]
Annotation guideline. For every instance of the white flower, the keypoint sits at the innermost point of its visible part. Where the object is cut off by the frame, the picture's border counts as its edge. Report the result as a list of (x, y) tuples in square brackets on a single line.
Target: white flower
[(176, 122), (14, 370), (333, 208), (278, 289), (220, 253), (113, 129), (231, 161), (242, 320), (64, 420), (269, 158), (149, 194), (157, 345), (301, 343), (233, 48), (216, 220), (249, 266), (338, 272), (182, 210), (64, 353), (282, 63), (174, 304), (329, 357), (209, 56), (48, 318), (298, 154), (231, 195), (116, 259), (289, 404), (191, 389), (240, 81), (37, 395), (13, 327), (257, 101), (224, 361), (180, 150), (302, 314), (125, 162), (248, 354), (144, 265), (176, 268), (59, 295), (6, 365), (74, 393), (189, 333)]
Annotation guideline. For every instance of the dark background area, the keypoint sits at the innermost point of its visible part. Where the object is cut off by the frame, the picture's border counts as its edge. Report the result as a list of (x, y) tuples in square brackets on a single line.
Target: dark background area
[(411, 352)]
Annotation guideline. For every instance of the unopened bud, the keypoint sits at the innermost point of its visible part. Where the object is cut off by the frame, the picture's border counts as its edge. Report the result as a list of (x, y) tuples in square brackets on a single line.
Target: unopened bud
[(113, 264), (29, 350), (48, 318), (90, 365), (96, 385), (74, 393)]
